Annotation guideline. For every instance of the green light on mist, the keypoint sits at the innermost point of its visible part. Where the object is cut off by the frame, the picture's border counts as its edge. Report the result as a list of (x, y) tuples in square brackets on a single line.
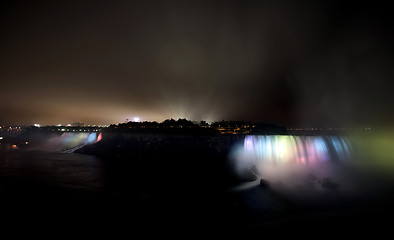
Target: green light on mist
[(375, 149)]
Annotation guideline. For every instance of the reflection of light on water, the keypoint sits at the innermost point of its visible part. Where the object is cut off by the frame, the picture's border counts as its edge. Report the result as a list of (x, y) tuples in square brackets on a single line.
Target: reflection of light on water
[(63, 171)]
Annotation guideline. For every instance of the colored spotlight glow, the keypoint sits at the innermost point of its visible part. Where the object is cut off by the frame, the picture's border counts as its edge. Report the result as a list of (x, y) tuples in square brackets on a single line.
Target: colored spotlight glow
[(136, 119), (92, 137), (266, 154), (296, 149), (99, 137)]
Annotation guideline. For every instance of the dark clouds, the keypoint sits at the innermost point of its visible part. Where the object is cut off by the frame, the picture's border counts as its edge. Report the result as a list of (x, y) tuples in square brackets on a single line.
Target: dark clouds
[(293, 63)]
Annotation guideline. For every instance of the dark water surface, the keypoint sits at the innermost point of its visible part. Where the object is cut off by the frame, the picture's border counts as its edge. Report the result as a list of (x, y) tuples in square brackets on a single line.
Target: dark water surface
[(76, 191)]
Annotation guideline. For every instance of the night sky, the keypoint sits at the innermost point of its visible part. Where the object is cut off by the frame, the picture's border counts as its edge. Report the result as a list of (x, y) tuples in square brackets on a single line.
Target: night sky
[(294, 63)]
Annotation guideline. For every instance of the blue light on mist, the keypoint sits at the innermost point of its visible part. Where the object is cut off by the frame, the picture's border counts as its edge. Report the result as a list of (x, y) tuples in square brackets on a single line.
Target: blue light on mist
[(68, 142), (279, 155), (92, 137), (296, 149)]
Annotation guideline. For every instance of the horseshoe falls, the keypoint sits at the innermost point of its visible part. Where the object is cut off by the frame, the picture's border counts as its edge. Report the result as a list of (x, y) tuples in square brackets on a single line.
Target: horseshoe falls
[(292, 160)]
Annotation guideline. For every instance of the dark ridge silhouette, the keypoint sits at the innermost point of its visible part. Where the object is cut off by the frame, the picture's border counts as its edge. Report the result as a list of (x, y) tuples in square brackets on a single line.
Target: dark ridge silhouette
[(183, 125)]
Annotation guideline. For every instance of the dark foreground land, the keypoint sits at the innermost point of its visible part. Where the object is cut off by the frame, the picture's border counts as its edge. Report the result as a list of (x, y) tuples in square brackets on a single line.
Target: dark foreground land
[(176, 185)]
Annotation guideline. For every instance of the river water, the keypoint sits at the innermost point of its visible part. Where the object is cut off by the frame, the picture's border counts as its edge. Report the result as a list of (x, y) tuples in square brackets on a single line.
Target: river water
[(57, 170), (78, 190), (72, 189)]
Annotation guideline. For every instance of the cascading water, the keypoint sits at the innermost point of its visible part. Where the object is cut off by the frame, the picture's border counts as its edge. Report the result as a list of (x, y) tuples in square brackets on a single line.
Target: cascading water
[(296, 149), (69, 142), (290, 159)]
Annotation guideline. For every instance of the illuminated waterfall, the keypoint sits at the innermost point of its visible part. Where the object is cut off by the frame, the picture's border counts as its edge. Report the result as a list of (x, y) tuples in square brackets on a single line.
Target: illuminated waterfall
[(296, 149), (69, 142), (264, 155)]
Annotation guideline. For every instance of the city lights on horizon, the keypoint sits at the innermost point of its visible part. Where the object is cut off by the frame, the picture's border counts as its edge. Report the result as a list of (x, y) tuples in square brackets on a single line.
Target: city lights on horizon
[(202, 122)]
